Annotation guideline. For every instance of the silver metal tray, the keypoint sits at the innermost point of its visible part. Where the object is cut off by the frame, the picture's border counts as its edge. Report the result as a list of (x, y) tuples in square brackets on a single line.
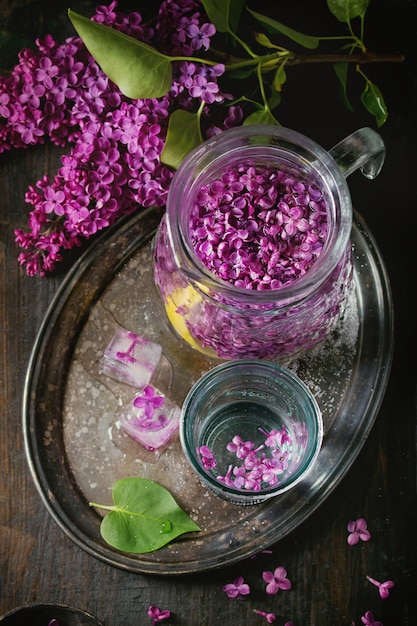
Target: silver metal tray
[(76, 451)]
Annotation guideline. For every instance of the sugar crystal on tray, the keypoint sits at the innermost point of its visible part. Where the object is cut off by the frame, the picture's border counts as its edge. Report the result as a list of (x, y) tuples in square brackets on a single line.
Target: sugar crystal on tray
[(151, 418), (130, 359)]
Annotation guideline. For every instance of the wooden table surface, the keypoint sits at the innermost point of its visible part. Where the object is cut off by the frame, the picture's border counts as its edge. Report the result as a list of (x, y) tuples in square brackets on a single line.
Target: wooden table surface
[(39, 563)]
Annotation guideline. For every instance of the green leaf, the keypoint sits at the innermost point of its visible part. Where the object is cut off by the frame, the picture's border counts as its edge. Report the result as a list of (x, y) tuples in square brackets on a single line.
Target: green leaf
[(137, 69), (183, 135), (224, 14), (280, 78), (341, 70), (307, 41), (274, 100), (346, 10), (263, 116), (218, 12), (373, 101), (144, 518)]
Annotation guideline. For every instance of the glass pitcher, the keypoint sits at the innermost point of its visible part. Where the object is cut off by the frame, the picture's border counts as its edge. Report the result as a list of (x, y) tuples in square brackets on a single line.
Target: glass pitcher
[(253, 257)]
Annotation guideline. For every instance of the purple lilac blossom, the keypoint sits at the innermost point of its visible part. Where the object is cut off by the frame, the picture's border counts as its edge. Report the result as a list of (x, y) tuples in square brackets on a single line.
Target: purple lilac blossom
[(358, 531), (258, 228), (58, 93), (369, 620), (151, 418), (257, 235), (158, 615), (237, 589), (276, 580), (130, 358), (207, 457), (255, 469), (270, 617), (382, 587)]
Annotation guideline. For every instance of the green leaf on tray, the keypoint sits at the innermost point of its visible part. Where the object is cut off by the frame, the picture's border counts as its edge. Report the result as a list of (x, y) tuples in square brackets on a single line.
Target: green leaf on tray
[(137, 69), (144, 517)]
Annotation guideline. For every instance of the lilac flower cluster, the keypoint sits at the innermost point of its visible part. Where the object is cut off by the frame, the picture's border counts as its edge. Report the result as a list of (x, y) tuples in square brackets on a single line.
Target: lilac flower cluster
[(257, 469), (258, 228), (113, 168)]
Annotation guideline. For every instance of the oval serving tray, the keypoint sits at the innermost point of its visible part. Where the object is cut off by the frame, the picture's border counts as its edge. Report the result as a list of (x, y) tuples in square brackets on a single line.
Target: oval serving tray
[(76, 451)]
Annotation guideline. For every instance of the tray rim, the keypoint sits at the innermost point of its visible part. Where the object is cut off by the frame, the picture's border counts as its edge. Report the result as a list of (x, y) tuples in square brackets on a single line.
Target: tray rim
[(60, 299)]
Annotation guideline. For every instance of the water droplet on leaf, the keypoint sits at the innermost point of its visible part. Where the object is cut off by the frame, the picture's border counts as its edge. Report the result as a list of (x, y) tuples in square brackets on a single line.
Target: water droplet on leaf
[(166, 527)]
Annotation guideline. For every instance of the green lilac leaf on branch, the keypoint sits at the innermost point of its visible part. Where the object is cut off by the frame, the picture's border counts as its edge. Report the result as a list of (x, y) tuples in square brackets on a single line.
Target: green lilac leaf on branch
[(224, 14), (341, 70), (142, 72), (307, 41), (137, 69), (346, 10), (183, 135), (374, 102), (144, 517), (263, 116)]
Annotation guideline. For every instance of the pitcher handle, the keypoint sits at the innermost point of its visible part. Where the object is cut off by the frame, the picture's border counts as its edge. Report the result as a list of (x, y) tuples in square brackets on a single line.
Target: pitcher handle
[(364, 149)]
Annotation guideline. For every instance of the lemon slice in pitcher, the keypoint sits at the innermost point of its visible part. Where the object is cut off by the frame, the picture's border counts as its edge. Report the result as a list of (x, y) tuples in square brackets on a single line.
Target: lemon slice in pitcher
[(188, 298)]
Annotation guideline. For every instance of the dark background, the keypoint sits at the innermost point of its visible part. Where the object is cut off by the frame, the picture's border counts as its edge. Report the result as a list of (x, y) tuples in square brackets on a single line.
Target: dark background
[(39, 563)]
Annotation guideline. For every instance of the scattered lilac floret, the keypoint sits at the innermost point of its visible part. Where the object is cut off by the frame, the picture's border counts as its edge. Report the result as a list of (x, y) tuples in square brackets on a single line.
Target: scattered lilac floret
[(276, 580), (151, 418), (157, 615), (358, 531), (382, 587), (237, 589), (369, 620), (270, 617), (130, 359)]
